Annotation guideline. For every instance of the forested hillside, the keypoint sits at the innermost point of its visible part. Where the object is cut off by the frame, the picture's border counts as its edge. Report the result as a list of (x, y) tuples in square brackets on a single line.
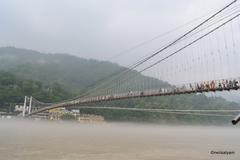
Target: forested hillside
[(13, 90), (73, 73)]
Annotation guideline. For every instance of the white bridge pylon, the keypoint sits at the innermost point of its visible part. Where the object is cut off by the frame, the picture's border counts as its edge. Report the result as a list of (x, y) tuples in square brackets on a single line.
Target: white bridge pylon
[(27, 106)]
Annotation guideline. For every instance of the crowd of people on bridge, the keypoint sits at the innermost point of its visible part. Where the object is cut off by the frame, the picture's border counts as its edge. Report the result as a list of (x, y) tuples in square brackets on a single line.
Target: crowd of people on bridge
[(215, 85), (218, 85)]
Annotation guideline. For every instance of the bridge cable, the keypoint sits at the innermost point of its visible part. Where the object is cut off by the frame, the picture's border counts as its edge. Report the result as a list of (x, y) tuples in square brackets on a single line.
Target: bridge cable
[(164, 48), (185, 35), (208, 26), (204, 29), (189, 44)]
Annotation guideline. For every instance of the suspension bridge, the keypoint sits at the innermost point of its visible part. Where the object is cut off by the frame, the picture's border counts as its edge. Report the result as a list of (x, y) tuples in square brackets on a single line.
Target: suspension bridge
[(204, 58)]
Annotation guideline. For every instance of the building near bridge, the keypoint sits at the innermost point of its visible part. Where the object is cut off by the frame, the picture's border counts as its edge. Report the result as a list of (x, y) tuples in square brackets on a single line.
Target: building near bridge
[(55, 114), (18, 108), (59, 113)]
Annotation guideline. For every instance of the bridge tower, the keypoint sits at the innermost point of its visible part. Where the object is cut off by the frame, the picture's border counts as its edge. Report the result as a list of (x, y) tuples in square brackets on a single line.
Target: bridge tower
[(27, 106)]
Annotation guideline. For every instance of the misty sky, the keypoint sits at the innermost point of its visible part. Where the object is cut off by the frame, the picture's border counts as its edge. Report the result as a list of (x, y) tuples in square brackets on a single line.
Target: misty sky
[(96, 29)]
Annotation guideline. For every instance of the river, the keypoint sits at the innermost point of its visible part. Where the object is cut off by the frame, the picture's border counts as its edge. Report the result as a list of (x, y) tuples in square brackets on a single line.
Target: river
[(24, 140)]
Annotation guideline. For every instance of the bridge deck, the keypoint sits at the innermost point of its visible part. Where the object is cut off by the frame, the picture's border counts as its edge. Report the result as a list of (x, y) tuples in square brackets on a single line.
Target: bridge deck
[(141, 94)]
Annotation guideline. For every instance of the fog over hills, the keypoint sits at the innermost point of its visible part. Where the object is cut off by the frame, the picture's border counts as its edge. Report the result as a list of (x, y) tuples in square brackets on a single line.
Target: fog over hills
[(70, 71)]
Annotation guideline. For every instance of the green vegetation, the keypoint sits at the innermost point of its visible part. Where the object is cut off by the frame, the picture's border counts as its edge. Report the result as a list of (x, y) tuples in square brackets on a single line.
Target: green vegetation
[(185, 102), (155, 117), (13, 90), (55, 77)]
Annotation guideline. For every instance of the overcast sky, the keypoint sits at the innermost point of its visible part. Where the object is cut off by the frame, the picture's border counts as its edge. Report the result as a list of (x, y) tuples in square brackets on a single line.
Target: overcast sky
[(96, 29)]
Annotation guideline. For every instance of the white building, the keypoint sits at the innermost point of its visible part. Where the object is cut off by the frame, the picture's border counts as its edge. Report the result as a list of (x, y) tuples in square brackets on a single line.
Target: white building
[(19, 108)]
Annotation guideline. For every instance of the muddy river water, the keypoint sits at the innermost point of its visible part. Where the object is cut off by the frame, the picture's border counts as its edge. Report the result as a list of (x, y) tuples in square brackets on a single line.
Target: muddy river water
[(23, 140)]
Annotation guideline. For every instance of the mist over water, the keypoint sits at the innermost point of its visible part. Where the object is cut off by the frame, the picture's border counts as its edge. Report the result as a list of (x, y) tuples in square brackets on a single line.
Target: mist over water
[(25, 140)]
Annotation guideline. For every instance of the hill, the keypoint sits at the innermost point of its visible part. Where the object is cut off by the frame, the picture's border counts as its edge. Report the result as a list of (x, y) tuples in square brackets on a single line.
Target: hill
[(73, 73), (69, 71), (13, 90)]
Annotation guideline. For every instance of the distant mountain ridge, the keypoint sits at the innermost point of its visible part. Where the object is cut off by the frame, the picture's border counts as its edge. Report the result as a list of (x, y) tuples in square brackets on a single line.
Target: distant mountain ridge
[(72, 72)]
